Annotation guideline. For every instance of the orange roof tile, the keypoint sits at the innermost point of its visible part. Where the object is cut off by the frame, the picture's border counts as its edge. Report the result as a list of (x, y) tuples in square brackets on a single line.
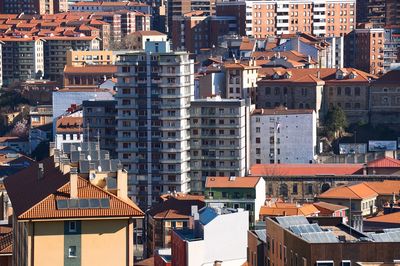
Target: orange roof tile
[(392, 218), (288, 209), (359, 191), (386, 162), (305, 169), (40, 195), (91, 69), (387, 187), (227, 182), (69, 124), (328, 208)]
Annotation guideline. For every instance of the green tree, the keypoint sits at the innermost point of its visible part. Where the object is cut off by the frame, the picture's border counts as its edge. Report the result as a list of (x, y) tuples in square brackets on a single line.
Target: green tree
[(336, 120)]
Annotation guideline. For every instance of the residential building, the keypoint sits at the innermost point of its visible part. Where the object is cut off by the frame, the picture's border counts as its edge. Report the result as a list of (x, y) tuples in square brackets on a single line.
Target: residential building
[(139, 38), (23, 59), (55, 52), (379, 12), (19, 144), (384, 99), (176, 9), (6, 240), (320, 90), (275, 208), (237, 192), (133, 21), (365, 49), (27, 7), (173, 212), (153, 123), (219, 142), (1, 64), (256, 240), (99, 120), (241, 80), (312, 242), (196, 30), (65, 98), (88, 76), (391, 47), (109, 6), (262, 19), (36, 91), (211, 82), (206, 242), (69, 129), (328, 52), (92, 57), (71, 213), (283, 135)]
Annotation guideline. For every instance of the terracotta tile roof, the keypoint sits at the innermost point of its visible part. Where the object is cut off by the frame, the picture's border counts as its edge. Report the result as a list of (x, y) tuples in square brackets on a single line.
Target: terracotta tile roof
[(246, 44), (359, 192), (328, 208), (385, 162), (40, 195), (6, 243), (305, 169), (175, 208), (233, 65), (145, 262), (288, 209), (392, 218), (69, 124), (237, 182), (281, 111), (387, 187), (91, 69)]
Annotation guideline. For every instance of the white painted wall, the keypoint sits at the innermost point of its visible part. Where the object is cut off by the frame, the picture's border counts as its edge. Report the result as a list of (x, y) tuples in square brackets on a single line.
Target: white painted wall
[(297, 136), (260, 198)]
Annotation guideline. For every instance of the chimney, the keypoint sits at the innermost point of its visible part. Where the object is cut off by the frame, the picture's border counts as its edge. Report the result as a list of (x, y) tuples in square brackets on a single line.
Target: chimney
[(40, 171), (217, 263), (73, 183), (122, 184), (365, 169)]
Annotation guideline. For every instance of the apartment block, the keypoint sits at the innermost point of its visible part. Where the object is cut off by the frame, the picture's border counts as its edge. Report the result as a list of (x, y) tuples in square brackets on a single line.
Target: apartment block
[(108, 6), (261, 19), (283, 136), (391, 49), (23, 59), (382, 13), (99, 122), (241, 80), (196, 30), (69, 129), (139, 38), (27, 7), (177, 8), (218, 140), (365, 49), (88, 76), (155, 88), (55, 49), (81, 58)]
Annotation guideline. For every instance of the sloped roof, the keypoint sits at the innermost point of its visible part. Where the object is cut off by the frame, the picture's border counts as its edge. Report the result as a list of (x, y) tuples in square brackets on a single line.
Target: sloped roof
[(392, 218), (288, 209), (359, 191), (227, 182), (325, 207), (175, 208), (6, 243), (69, 124), (387, 187), (91, 69), (305, 169), (40, 195), (385, 162)]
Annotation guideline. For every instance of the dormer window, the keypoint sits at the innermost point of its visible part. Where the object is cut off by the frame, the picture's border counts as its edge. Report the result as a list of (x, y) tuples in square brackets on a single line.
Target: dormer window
[(352, 75), (288, 75), (276, 76), (340, 74)]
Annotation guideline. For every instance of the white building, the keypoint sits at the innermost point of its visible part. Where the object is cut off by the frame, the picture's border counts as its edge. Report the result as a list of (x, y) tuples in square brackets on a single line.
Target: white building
[(241, 80), (219, 235), (283, 136), (69, 129)]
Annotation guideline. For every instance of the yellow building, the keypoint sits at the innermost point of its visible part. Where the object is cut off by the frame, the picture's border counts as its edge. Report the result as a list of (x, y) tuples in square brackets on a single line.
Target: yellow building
[(62, 218), (80, 58)]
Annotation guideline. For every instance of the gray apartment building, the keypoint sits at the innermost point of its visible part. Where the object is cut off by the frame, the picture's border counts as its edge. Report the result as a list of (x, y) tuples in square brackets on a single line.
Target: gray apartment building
[(219, 139), (99, 123), (155, 88)]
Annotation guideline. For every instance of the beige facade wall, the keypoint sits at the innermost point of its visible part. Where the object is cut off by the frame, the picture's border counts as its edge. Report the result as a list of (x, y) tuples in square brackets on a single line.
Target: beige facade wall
[(48, 243), (79, 58), (104, 242)]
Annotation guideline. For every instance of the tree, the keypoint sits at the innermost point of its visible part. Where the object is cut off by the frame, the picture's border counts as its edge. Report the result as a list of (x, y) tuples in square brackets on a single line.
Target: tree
[(20, 129), (336, 120)]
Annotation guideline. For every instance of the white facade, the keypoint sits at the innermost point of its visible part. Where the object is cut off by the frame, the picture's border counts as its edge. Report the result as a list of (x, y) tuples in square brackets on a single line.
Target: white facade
[(294, 133), (227, 244), (62, 138)]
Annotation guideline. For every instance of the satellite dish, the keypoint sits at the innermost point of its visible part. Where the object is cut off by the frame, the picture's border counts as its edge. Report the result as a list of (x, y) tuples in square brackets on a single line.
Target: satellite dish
[(79, 149), (92, 176), (99, 168), (89, 158)]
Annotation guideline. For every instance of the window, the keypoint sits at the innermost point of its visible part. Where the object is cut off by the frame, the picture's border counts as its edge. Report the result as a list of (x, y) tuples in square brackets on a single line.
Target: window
[(346, 263), (72, 226), (258, 140), (72, 252)]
